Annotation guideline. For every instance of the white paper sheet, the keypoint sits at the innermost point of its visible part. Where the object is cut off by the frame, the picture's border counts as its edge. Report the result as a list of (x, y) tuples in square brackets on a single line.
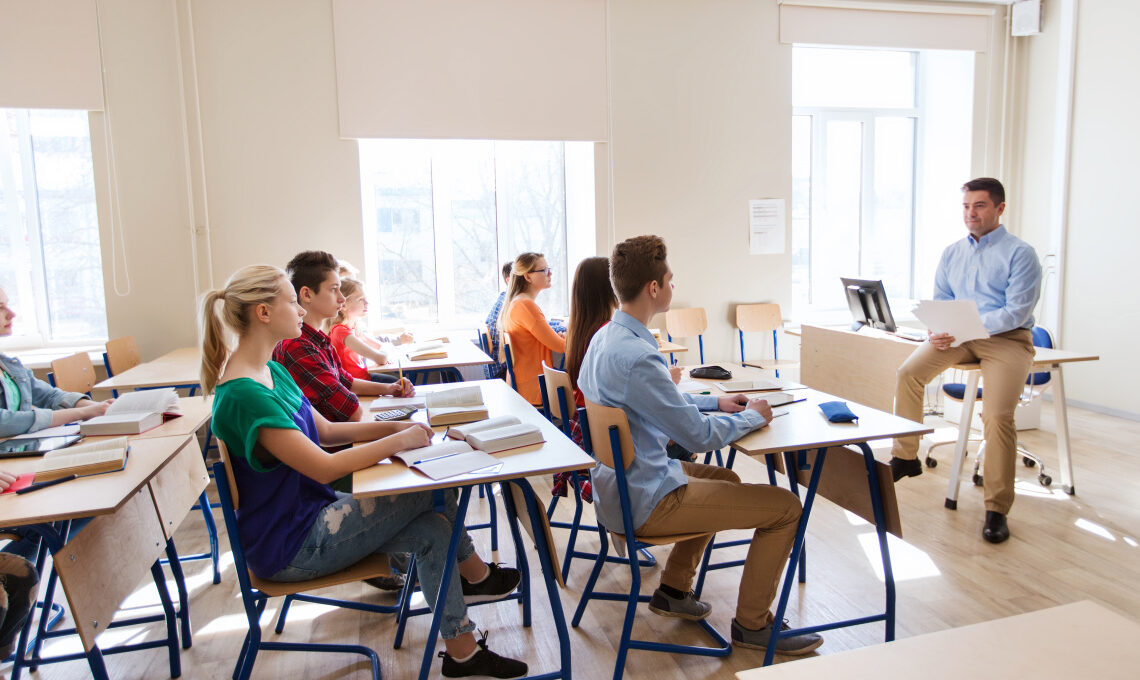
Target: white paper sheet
[(959, 318), (766, 228), (692, 386)]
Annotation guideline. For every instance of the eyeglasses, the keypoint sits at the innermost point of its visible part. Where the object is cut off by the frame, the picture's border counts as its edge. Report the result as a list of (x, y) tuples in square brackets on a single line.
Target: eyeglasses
[(548, 271)]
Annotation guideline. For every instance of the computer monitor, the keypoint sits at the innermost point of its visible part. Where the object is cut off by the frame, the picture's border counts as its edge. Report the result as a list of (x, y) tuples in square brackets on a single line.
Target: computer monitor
[(868, 302)]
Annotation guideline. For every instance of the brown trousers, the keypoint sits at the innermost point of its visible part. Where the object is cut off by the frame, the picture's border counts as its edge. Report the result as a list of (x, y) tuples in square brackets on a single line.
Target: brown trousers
[(715, 500), (1006, 360)]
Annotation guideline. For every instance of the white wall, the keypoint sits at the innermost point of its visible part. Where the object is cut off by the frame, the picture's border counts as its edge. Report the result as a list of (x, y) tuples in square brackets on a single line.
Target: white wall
[(702, 117), (1099, 312)]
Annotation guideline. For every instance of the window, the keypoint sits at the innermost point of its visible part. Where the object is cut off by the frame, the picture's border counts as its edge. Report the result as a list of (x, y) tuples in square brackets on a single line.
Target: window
[(441, 218), (880, 146), (50, 262)]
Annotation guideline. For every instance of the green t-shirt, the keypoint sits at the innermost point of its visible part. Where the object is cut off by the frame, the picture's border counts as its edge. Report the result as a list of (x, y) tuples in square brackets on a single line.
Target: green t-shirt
[(11, 389)]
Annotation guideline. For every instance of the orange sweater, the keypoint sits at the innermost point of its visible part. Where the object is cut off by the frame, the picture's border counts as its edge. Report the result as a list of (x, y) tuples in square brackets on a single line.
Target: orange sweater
[(532, 342)]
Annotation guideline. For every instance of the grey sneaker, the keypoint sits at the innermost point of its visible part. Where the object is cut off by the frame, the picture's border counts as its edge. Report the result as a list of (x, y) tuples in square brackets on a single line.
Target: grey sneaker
[(687, 607), (795, 645)]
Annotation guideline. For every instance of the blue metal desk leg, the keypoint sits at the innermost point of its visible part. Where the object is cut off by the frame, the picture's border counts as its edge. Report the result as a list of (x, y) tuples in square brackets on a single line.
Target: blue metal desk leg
[(797, 548), (791, 464), (171, 618), (448, 569), (546, 561), (881, 530), (183, 595)]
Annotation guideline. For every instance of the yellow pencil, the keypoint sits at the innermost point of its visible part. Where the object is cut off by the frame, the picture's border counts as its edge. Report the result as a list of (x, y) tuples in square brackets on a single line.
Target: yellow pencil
[(400, 369)]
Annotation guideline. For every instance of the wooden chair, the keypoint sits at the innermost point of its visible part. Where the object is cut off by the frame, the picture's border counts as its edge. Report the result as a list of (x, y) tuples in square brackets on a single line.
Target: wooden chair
[(122, 354), (510, 361), (613, 447), (73, 374), (685, 323), (255, 592), (559, 395), (762, 318)]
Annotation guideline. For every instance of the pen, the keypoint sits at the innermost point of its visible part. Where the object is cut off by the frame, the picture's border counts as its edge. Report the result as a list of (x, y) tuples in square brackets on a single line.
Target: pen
[(706, 392), (432, 460), (41, 485)]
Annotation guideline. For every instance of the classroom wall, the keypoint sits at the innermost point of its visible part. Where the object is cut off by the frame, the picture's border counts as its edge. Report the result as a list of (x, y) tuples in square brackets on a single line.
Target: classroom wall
[(701, 96), (1099, 314)]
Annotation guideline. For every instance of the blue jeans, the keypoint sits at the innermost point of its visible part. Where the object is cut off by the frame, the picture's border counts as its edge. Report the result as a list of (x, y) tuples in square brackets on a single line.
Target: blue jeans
[(350, 529)]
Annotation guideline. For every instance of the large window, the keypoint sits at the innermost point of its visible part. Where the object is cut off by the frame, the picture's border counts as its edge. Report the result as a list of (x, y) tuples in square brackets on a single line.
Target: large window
[(441, 217), (881, 144), (50, 263)]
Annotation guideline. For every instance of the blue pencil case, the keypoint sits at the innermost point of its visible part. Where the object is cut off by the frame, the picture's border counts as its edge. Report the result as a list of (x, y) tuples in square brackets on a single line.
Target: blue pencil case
[(837, 412)]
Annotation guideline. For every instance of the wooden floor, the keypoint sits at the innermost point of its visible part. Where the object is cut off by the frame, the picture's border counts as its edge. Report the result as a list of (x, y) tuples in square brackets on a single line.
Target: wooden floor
[(1063, 549)]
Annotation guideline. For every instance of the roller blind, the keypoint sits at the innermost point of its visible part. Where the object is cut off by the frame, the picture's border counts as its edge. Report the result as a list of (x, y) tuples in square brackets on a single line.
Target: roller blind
[(49, 55), (471, 69), (881, 24)]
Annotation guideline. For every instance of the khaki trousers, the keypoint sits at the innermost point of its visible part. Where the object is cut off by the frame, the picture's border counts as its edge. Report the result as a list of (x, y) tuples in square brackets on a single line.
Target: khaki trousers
[(1006, 360), (715, 500)]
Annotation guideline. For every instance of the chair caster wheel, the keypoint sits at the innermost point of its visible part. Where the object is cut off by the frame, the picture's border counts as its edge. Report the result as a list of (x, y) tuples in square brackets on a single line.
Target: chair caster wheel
[(1029, 462), (977, 480), (1071, 490), (1045, 480), (931, 462)]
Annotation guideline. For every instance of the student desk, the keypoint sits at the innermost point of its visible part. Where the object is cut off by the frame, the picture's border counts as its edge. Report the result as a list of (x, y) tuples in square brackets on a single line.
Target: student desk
[(1078, 640), (556, 454), (178, 368), (105, 562), (863, 367), (460, 353)]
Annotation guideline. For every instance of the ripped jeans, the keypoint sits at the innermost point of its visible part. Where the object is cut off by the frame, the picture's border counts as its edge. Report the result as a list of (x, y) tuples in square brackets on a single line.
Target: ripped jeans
[(350, 529)]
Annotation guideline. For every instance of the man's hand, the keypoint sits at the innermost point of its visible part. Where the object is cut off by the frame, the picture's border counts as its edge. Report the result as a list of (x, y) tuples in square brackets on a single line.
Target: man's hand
[(732, 404), (675, 374), (941, 341), (760, 406), (402, 388)]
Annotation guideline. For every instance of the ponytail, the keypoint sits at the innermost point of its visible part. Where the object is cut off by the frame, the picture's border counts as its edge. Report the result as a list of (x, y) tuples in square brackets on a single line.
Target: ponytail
[(248, 287), (215, 352), (524, 264)]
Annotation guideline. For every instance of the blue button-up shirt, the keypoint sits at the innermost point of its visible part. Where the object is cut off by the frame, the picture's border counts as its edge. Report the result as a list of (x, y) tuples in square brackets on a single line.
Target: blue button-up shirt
[(28, 408), (999, 271), (622, 368)]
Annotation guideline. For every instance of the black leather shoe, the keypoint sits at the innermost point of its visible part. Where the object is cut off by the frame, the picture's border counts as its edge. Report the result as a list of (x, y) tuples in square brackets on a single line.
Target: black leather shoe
[(902, 467), (995, 530)]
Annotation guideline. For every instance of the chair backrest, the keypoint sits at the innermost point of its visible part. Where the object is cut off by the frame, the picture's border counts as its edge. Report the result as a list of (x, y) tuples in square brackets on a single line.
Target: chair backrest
[(687, 322), (122, 354), (74, 373), (1041, 338), (599, 420), (510, 361), (559, 395), (224, 456), (759, 318), (485, 340)]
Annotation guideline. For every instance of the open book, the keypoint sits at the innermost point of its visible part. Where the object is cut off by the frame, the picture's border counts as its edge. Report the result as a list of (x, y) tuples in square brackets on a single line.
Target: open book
[(758, 385), (134, 412), (440, 461), (497, 434), (427, 350), (83, 459), (456, 405)]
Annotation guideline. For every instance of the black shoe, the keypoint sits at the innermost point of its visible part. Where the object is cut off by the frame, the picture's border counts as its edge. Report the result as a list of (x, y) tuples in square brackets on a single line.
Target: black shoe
[(485, 662), (501, 582), (903, 467), (387, 583), (995, 530)]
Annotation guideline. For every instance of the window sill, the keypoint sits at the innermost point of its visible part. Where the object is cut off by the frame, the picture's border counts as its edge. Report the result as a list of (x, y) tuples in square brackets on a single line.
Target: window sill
[(40, 358)]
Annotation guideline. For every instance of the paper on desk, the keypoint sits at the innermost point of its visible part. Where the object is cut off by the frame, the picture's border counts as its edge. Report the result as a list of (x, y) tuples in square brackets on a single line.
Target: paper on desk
[(959, 318), (692, 386), (385, 403), (57, 431)]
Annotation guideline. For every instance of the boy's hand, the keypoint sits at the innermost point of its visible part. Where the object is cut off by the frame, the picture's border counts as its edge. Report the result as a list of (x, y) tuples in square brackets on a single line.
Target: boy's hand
[(403, 388), (732, 404), (675, 374), (762, 407)]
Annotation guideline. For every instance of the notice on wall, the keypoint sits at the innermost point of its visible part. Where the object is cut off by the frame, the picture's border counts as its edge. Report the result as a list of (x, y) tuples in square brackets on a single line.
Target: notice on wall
[(766, 231)]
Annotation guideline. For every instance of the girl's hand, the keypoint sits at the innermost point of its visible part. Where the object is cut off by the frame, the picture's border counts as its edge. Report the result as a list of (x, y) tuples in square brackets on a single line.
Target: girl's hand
[(96, 409), (405, 338), (6, 480), (414, 437)]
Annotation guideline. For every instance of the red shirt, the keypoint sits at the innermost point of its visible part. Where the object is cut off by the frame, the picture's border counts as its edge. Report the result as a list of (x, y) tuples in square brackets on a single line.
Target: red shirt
[(315, 366), (349, 360)]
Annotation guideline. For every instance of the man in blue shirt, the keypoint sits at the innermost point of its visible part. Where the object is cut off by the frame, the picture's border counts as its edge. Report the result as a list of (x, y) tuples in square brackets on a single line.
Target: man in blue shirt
[(622, 368), (1000, 272)]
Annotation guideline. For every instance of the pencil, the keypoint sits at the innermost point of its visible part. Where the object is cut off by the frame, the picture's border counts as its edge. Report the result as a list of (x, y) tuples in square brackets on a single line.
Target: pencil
[(400, 369)]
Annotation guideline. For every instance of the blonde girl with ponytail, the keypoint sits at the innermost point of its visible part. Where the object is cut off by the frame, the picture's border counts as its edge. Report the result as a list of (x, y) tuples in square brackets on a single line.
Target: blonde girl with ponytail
[(293, 525)]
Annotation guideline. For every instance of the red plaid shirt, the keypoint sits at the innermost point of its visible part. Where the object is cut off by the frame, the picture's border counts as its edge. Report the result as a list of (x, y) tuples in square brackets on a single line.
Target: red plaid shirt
[(313, 362)]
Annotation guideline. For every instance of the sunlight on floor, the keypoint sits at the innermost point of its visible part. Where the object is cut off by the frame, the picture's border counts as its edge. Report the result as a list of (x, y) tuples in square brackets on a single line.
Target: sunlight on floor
[(1030, 487), (907, 562), (1094, 528)]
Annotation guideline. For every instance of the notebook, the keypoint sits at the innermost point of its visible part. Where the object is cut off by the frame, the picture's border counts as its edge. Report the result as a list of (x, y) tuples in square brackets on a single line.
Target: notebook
[(451, 458)]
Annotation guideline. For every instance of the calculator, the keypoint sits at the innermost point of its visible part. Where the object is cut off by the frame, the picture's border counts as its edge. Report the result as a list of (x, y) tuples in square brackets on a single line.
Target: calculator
[(395, 413)]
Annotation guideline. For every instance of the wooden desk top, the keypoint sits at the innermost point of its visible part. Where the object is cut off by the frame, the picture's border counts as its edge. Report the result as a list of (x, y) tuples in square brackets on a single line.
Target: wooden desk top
[(668, 347), (556, 454), (1079, 640), (460, 353), (179, 367), (87, 496)]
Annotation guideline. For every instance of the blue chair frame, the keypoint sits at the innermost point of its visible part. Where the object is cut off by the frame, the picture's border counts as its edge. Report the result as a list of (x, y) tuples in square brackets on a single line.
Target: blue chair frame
[(634, 596), (254, 601)]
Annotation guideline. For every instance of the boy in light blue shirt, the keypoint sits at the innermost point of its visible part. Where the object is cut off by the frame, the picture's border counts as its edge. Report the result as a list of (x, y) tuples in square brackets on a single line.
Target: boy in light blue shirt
[(622, 368)]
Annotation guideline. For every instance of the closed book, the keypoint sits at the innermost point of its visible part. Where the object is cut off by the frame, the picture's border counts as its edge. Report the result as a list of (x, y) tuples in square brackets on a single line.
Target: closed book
[(451, 458), (427, 350), (456, 405), (122, 423), (503, 438), (461, 431), (83, 459)]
